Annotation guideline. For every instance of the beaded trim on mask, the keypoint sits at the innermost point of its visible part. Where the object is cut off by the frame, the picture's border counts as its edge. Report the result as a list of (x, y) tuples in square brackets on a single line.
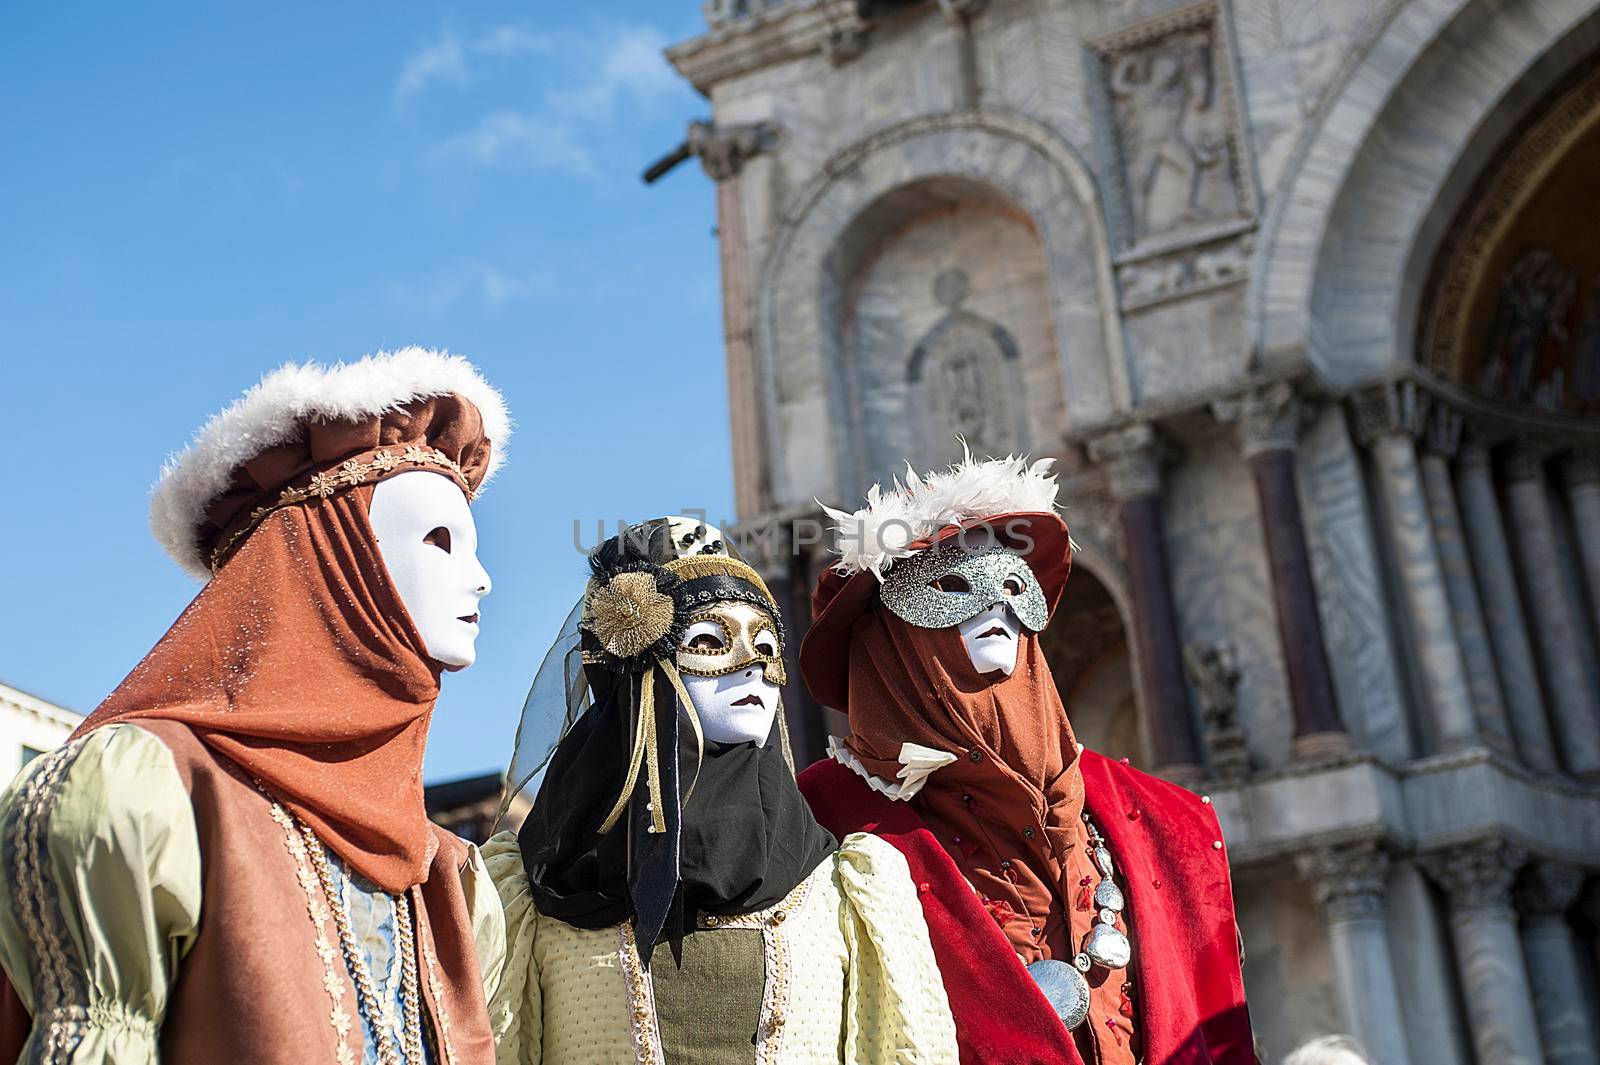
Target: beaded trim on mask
[(348, 474)]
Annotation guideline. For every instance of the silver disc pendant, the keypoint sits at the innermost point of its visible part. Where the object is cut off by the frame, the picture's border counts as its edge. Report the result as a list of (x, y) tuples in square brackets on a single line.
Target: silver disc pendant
[(1075, 1010), (1107, 946), (1107, 896)]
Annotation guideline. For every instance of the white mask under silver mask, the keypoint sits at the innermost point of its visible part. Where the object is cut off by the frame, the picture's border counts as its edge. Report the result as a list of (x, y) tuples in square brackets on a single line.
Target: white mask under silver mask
[(429, 544), (731, 663), (992, 639)]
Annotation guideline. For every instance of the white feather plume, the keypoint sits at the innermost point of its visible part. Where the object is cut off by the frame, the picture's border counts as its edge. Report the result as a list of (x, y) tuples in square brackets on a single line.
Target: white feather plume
[(874, 537), (274, 412)]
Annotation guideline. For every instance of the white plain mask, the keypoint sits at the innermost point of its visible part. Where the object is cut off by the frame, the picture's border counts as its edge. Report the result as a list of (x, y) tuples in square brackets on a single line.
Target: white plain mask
[(723, 721), (429, 544), (991, 640)]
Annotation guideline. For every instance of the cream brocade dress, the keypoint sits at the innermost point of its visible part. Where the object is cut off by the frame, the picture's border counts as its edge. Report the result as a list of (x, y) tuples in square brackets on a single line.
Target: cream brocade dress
[(113, 867), (849, 975)]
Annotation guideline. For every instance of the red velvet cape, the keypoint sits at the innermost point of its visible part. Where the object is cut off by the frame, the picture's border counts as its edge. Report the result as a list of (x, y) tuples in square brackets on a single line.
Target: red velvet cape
[(1188, 986)]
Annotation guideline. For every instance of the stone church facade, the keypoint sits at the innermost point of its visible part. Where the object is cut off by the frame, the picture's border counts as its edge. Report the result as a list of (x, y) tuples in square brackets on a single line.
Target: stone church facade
[(1304, 298)]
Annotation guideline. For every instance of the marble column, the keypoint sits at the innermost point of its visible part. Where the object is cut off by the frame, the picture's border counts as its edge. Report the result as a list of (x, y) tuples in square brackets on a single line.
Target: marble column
[(1388, 419), (738, 336), (1582, 470), (1441, 438), (1543, 897), (1349, 882), (1131, 459), (1557, 625), (1502, 605), (1494, 979), (1269, 428)]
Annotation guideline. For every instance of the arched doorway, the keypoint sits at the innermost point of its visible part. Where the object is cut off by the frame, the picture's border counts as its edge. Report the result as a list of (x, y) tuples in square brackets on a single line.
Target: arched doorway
[(1514, 313), (1089, 654)]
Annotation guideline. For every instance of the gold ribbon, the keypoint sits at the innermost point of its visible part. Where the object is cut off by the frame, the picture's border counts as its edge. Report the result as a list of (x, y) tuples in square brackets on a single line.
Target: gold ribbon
[(645, 754)]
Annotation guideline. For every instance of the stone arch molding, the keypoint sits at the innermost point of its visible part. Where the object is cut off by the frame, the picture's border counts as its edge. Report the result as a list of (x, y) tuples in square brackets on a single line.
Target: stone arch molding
[(1354, 225), (808, 424)]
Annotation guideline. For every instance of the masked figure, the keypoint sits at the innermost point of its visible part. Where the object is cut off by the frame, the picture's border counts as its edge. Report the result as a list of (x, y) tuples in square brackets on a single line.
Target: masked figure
[(1080, 910), (230, 860), (670, 897)]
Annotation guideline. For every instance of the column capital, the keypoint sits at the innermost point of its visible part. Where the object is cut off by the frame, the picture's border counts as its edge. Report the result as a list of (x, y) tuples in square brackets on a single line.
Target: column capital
[(1548, 889), (1390, 408), (1132, 458), (1474, 455), (1348, 880), (1477, 875), (723, 150), (1441, 434), (1581, 467), (1268, 418), (1525, 461)]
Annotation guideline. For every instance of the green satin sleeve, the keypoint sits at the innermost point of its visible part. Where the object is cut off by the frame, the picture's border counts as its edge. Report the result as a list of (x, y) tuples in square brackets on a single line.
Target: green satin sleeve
[(100, 873)]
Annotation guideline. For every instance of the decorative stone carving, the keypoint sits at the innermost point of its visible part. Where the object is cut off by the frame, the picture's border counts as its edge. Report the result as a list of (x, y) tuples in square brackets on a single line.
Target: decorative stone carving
[(1268, 418), (1167, 102), (1214, 672), (1132, 459), (1442, 434), (1582, 468), (844, 43), (1549, 889), (1392, 407), (965, 378), (1349, 881), (1478, 875), (1536, 298), (723, 150), (1184, 272)]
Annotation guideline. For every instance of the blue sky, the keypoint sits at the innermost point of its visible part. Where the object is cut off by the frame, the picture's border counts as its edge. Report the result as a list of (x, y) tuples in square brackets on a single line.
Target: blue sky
[(195, 193)]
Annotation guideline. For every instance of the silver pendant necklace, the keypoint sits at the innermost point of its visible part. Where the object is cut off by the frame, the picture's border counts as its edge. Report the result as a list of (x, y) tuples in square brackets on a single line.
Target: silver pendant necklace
[(1104, 944)]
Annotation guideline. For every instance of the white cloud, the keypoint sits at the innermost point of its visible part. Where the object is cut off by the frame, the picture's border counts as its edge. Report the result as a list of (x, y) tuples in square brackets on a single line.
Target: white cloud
[(631, 69), (448, 60), (439, 62), (487, 285), (598, 83), (530, 140), (509, 41)]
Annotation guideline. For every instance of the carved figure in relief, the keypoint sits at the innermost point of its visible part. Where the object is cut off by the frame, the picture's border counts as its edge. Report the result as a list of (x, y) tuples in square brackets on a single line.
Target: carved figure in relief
[(965, 376), (1586, 356), (1171, 133), (1535, 300)]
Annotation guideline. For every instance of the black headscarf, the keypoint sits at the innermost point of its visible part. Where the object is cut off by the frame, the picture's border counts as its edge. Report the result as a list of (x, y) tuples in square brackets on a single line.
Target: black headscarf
[(748, 837)]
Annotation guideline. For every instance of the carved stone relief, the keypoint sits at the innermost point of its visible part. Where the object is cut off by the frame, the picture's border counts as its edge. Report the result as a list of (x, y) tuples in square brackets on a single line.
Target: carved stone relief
[(965, 380), (1185, 271), (1167, 102)]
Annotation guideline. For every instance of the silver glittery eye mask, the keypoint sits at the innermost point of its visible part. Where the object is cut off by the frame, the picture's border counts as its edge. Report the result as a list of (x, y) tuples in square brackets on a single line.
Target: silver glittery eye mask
[(972, 582)]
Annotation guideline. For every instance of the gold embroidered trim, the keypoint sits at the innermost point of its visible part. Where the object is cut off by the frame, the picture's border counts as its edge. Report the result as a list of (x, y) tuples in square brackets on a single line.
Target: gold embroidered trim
[(65, 1006), (641, 1001), (327, 483), (332, 979), (436, 989)]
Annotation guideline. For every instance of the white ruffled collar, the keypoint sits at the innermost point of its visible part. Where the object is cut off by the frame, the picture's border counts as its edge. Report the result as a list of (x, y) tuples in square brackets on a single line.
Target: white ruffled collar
[(917, 764)]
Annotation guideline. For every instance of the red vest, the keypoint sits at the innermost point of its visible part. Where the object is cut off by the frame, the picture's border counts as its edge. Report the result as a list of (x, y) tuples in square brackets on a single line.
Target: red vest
[(1187, 980)]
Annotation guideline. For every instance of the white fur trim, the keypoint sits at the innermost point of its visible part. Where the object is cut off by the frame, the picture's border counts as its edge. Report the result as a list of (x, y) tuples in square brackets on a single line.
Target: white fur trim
[(917, 764), (875, 536), (273, 413)]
